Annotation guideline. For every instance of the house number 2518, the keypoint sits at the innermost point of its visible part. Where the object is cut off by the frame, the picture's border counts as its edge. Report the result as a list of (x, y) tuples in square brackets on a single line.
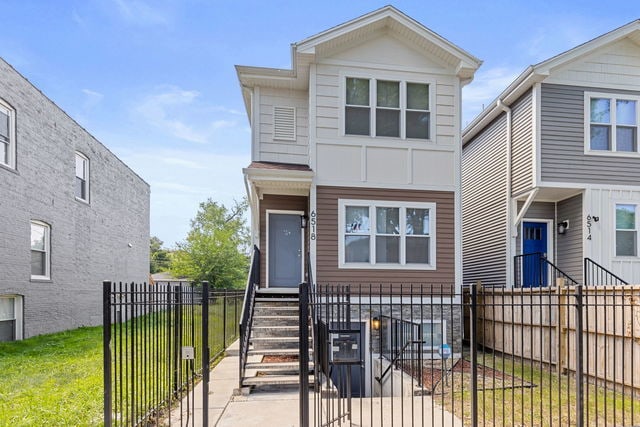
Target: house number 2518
[(313, 223)]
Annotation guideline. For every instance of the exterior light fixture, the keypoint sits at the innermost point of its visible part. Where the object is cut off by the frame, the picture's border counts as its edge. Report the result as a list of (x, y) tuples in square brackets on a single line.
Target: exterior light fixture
[(304, 220), (375, 323), (563, 226)]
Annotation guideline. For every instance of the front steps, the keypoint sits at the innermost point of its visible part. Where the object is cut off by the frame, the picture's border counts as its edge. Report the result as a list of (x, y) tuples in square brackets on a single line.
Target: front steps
[(274, 340)]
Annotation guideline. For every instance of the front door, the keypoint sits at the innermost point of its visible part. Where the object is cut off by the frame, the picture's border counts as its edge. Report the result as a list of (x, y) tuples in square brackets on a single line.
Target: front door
[(534, 247), (285, 250)]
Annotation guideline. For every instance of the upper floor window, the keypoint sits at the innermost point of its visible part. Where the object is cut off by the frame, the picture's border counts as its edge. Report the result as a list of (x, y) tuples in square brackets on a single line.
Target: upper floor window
[(386, 234), (7, 136), (82, 177), (626, 230), (388, 108), (40, 250), (613, 123)]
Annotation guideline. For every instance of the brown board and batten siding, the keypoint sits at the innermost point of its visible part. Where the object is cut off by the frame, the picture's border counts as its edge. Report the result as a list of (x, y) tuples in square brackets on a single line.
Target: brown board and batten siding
[(484, 206), (569, 253), (563, 141), (276, 202), (522, 145), (327, 271)]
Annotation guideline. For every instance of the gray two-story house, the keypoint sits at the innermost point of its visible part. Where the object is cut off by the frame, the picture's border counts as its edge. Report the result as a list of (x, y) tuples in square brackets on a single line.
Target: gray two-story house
[(71, 215), (551, 171)]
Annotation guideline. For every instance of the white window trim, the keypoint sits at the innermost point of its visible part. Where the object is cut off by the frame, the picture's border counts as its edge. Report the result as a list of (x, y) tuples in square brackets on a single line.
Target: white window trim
[(47, 246), (403, 78), (12, 136), (587, 124), (372, 204), (615, 229), (87, 177), (17, 314)]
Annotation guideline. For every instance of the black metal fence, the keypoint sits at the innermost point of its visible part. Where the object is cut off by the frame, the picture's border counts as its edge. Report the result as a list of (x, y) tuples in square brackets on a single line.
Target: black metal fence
[(534, 270), (428, 355), (159, 341)]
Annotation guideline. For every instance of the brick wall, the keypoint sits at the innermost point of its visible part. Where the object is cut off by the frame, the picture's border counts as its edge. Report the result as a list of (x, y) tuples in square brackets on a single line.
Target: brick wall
[(89, 242)]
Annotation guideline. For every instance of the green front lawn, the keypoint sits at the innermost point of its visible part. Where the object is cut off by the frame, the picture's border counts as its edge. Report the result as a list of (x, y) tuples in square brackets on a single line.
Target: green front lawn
[(53, 380)]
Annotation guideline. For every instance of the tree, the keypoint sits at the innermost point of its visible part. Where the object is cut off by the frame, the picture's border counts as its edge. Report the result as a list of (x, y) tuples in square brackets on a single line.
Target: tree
[(215, 249), (160, 260)]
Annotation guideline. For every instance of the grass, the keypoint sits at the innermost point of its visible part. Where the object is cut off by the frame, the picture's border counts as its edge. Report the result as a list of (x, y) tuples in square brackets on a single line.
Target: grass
[(551, 402), (57, 379), (53, 380)]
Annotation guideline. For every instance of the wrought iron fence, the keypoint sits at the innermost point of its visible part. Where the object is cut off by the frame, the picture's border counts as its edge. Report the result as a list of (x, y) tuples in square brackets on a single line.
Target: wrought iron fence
[(433, 355), (159, 341), (534, 270)]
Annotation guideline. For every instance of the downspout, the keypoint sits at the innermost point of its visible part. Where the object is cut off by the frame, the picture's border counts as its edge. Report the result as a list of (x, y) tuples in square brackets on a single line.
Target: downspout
[(510, 243)]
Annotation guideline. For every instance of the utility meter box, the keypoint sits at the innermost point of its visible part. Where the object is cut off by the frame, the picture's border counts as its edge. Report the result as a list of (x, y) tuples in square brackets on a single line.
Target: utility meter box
[(188, 353), (345, 347)]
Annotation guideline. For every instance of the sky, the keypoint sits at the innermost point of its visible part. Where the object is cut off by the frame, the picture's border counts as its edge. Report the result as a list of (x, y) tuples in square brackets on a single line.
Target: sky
[(154, 80)]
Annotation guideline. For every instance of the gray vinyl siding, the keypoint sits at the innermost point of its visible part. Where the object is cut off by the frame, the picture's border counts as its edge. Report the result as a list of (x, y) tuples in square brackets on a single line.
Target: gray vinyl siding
[(562, 141), (484, 198), (537, 210), (522, 145), (569, 252)]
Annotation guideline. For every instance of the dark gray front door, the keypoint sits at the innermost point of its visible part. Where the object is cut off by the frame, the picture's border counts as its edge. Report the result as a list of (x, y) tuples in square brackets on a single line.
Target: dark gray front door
[(285, 250)]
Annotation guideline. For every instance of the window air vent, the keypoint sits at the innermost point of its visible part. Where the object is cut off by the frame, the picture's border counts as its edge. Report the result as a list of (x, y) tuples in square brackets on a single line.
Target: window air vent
[(284, 123)]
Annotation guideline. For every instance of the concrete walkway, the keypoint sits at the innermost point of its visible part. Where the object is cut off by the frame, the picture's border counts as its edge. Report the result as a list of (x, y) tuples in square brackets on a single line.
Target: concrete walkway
[(278, 407)]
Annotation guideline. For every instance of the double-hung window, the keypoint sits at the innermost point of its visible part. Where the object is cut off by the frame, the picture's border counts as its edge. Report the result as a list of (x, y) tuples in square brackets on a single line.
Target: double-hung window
[(40, 250), (384, 234), (7, 136), (387, 108), (612, 123), (626, 230), (82, 177)]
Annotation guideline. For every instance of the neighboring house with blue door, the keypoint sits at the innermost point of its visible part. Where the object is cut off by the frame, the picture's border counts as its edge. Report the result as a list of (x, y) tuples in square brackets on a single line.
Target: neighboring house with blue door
[(362, 138), (551, 170)]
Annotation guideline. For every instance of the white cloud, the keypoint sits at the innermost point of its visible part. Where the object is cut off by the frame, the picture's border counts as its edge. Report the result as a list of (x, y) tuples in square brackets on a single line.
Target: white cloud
[(92, 98), (139, 13), (221, 124), (163, 109)]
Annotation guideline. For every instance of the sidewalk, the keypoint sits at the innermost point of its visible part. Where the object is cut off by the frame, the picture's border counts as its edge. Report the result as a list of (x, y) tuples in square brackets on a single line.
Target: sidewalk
[(278, 407), (266, 408)]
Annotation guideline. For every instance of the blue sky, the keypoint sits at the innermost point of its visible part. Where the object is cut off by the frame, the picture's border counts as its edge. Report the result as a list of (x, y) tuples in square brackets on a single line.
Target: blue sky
[(154, 80)]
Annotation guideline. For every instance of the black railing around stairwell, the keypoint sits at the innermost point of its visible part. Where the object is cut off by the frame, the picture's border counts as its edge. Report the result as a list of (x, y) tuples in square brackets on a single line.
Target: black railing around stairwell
[(534, 270), (597, 275), (246, 318)]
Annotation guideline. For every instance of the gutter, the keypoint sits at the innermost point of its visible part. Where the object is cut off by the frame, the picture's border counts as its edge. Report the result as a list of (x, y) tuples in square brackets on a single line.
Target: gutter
[(501, 106)]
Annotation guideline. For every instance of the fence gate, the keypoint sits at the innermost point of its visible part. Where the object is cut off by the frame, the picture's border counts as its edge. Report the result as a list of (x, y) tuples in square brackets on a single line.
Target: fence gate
[(158, 343), (426, 355)]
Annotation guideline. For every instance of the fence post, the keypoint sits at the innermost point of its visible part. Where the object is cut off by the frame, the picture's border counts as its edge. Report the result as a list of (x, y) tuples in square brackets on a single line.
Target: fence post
[(579, 357), (106, 349), (303, 358), (205, 354), (561, 328), (177, 337), (224, 319), (473, 330)]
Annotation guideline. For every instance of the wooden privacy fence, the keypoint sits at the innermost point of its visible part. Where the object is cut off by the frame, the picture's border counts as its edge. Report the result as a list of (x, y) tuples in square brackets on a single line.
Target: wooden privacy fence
[(541, 325)]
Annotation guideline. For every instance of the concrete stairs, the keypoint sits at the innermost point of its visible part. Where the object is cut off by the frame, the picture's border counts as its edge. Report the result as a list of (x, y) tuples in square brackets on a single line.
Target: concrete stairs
[(274, 350)]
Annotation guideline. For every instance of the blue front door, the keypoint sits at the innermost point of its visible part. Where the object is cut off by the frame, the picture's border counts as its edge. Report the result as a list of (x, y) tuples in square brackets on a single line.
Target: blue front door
[(534, 247)]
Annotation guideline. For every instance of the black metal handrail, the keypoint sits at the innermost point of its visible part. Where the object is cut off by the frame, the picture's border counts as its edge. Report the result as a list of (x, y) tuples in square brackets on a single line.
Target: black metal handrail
[(534, 270), (246, 318), (597, 275), (397, 358)]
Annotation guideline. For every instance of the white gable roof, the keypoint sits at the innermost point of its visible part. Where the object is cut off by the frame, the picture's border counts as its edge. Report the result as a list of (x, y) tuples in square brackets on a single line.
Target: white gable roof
[(387, 18), (538, 72)]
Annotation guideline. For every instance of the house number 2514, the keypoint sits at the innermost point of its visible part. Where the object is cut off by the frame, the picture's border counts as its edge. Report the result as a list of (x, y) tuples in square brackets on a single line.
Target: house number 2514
[(313, 222)]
